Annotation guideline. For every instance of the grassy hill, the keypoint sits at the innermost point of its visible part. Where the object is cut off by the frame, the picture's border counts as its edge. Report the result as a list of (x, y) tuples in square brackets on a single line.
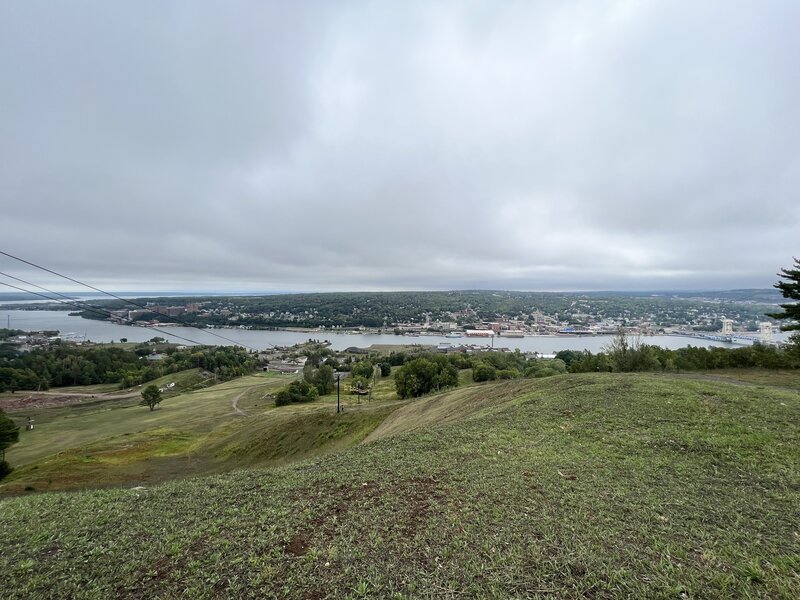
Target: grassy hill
[(597, 485), (110, 440)]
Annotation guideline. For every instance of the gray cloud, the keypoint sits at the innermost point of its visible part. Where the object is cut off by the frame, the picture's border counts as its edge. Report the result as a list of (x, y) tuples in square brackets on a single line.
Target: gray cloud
[(579, 145)]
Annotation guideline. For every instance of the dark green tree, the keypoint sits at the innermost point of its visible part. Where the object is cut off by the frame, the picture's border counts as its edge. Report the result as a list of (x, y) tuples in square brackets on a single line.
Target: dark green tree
[(9, 434), (296, 391), (423, 375), (790, 289), (568, 356), (363, 369), (151, 396), (322, 378), (484, 372)]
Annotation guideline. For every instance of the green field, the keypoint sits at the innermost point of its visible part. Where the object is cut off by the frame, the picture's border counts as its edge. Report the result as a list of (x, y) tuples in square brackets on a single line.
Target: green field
[(598, 485), (109, 440)]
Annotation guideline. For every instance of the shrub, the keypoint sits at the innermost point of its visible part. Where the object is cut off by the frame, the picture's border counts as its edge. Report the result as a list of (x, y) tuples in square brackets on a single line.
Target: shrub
[(322, 378), (295, 392), (507, 374), (484, 372), (545, 372), (362, 368), (5, 469), (423, 375)]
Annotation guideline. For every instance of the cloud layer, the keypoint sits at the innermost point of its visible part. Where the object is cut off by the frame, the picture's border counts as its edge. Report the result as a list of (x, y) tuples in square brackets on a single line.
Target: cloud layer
[(343, 145)]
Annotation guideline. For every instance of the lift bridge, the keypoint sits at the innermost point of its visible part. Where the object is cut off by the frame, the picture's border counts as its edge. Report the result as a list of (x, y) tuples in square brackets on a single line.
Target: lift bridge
[(727, 335), (764, 335)]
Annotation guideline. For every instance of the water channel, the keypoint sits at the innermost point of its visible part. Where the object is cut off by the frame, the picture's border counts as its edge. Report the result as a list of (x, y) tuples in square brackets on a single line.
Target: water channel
[(77, 328)]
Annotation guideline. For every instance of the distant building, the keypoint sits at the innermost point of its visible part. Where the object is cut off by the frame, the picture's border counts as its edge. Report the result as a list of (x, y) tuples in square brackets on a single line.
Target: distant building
[(138, 314)]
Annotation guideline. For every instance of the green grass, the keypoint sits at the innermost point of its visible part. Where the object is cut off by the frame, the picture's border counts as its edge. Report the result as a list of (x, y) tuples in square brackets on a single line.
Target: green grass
[(449, 407), (63, 428), (299, 432), (597, 485), (789, 378), (117, 442), (191, 379)]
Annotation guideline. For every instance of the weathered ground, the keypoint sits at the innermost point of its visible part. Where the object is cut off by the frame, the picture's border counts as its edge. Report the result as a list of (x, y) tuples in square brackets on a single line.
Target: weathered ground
[(599, 486)]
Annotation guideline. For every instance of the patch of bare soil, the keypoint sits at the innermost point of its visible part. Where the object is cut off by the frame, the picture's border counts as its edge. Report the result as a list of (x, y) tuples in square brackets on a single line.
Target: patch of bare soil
[(28, 401)]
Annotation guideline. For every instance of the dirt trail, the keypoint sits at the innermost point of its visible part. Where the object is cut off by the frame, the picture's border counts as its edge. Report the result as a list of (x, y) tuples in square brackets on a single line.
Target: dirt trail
[(235, 405)]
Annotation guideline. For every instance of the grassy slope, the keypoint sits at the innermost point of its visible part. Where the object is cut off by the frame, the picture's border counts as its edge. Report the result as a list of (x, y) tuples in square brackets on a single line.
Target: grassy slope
[(62, 428), (450, 407), (768, 377), (598, 485), (117, 442)]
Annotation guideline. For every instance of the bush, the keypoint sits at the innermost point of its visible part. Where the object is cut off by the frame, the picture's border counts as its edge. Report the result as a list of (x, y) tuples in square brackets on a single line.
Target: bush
[(295, 392), (322, 378), (397, 359), (9, 434), (460, 361), (363, 369), (507, 374), (386, 369), (423, 375), (545, 372), (5, 469), (484, 372), (568, 356)]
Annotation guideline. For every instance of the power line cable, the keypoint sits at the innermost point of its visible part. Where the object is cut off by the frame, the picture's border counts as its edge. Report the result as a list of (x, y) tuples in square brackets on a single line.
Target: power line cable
[(180, 337), (82, 302), (77, 303), (69, 302), (131, 302)]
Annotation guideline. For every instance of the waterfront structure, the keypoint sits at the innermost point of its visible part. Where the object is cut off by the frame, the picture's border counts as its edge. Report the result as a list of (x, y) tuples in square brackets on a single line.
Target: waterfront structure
[(727, 326)]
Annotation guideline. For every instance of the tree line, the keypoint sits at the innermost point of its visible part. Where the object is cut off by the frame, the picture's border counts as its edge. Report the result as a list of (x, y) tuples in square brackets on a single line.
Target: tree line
[(628, 354), (64, 364), (385, 309)]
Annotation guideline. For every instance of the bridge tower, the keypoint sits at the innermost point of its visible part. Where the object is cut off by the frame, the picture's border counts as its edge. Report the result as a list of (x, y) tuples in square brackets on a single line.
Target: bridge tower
[(727, 326), (765, 332)]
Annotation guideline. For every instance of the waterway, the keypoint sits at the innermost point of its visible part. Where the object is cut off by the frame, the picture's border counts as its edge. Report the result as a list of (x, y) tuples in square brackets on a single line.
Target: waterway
[(77, 328)]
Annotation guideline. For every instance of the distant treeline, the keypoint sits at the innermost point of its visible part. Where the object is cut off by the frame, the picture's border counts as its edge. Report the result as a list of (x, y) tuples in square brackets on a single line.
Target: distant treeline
[(422, 374), (6, 334), (385, 309), (625, 354), (66, 364)]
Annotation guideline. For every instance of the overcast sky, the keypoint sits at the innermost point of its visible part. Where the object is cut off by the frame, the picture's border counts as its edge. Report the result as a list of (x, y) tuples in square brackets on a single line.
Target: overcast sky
[(401, 145)]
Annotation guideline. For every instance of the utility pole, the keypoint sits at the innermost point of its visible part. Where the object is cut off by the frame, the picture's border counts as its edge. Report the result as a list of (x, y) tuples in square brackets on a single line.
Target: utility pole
[(338, 385), (375, 370)]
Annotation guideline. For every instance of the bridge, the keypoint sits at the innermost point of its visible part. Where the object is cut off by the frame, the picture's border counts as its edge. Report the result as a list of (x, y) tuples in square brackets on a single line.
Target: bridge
[(764, 335)]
